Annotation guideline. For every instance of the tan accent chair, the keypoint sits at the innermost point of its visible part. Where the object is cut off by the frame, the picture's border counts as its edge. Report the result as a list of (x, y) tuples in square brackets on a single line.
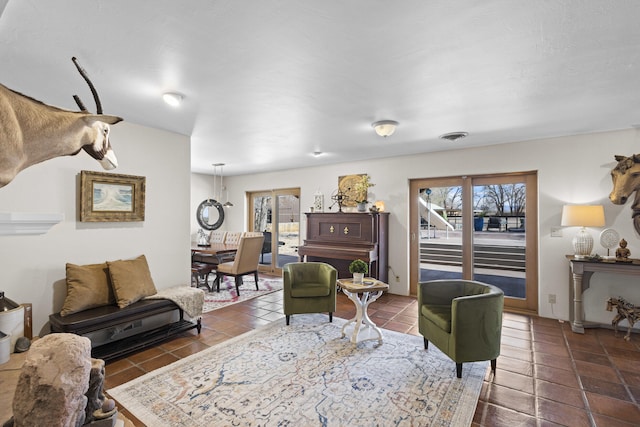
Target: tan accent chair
[(463, 318), (245, 262), (309, 287)]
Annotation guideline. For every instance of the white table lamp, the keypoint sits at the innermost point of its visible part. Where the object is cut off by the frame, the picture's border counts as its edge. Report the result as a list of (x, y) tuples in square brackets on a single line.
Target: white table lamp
[(582, 216)]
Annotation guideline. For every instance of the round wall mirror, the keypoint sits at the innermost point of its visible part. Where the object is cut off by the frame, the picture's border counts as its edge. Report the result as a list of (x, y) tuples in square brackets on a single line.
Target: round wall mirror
[(210, 214)]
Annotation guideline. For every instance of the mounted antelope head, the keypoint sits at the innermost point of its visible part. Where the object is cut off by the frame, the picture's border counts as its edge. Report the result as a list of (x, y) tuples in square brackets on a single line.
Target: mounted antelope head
[(32, 132)]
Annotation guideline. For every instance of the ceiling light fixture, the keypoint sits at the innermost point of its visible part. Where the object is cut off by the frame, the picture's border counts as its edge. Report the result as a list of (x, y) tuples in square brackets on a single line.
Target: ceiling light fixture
[(173, 98), (454, 136), (226, 204), (317, 153), (385, 127)]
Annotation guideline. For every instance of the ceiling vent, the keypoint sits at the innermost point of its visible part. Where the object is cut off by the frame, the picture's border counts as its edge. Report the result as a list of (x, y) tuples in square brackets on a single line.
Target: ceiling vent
[(454, 136)]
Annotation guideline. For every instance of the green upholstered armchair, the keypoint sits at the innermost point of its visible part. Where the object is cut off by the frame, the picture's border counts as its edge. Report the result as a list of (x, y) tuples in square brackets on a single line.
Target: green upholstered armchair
[(463, 318), (309, 287)]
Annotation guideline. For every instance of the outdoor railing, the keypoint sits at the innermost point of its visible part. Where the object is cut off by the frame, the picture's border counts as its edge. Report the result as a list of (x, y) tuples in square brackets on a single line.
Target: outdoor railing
[(484, 256)]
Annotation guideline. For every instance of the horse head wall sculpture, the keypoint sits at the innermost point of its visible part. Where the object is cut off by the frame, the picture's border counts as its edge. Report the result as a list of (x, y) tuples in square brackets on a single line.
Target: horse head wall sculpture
[(626, 180), (32, 132)]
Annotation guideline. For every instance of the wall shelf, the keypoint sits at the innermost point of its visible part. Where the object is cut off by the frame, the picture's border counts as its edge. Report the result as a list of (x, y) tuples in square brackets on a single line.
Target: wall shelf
[(16, 223)]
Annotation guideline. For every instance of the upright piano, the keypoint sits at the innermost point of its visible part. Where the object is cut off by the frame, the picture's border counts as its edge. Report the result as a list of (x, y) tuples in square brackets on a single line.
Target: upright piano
[(339, 238)]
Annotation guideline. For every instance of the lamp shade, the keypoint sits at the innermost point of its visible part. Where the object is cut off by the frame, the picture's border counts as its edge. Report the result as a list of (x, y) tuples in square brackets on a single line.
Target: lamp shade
[(582, 216)]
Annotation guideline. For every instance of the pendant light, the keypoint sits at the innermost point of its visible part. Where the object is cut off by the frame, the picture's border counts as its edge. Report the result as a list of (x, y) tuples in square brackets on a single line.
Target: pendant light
[(226, 204)]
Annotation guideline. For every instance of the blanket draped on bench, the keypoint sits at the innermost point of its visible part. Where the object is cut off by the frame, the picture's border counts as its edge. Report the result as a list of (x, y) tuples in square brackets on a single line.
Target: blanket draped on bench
[(190, 300)]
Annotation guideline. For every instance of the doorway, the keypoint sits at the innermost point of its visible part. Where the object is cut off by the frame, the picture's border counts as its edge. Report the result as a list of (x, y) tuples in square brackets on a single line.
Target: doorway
[(276, 213), (481, 228)]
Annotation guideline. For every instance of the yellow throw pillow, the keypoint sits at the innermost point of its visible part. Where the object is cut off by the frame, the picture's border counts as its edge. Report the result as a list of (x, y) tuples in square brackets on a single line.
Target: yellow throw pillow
[(87, 287), (131, 280)]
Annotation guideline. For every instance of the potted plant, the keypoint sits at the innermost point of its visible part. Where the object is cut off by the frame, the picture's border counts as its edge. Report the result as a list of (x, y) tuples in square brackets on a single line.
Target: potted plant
[(358, 268), (478, 221), (361, 189)]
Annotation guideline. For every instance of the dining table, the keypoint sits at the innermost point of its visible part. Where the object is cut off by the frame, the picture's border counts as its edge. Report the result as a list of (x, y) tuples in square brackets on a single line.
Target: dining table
[(220, 250)]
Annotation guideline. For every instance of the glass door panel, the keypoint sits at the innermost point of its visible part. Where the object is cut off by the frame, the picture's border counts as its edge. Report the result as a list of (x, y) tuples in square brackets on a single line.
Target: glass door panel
[(288, 238), (440, 235), (499, 256), (280, 224), (262, 214)]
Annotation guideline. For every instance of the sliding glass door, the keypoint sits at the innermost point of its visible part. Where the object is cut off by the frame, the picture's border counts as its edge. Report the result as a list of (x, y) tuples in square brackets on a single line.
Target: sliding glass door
[(277, 214), (477, 227)]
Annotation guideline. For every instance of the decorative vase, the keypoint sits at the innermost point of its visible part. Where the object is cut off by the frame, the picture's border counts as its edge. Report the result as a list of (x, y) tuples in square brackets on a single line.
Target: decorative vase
[(362, 207), (358, 278)]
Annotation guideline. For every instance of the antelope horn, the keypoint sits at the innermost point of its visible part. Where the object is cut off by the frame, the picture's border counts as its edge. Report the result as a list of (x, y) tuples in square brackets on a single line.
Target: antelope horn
[(84, 75), (79, 102)]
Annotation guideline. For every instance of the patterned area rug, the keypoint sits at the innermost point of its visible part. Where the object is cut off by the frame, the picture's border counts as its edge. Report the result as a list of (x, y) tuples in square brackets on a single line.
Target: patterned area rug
[(228, 295), (306, 374)]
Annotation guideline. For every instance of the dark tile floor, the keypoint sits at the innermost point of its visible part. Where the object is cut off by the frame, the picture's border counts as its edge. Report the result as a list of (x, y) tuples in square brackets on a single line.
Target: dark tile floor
[(547, 375)]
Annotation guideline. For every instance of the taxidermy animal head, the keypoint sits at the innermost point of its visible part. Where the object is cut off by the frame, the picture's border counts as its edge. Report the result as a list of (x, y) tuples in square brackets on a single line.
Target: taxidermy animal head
[(32, 132), (626, 180)]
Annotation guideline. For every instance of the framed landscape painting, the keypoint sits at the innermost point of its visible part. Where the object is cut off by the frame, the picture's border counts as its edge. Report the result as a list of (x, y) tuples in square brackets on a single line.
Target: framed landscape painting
[(108, 197)]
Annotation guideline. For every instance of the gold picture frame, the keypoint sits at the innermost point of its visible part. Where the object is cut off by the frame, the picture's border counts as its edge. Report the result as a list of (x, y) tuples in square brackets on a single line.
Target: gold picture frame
[(107, 197), (347, 185)]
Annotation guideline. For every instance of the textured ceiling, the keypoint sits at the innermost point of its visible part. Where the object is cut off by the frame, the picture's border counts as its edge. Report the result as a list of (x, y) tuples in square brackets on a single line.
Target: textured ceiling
[(268, 82)]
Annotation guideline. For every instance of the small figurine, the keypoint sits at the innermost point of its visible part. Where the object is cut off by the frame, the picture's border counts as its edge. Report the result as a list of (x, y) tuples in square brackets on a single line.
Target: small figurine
[(623, 253)]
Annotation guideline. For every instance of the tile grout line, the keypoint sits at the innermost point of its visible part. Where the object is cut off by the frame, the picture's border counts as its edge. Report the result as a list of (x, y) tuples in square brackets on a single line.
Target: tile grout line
[(574, 366)]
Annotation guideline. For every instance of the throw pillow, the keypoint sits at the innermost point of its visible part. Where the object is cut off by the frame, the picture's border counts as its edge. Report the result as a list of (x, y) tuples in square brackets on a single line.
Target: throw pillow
[(131, 280), (88, 287)]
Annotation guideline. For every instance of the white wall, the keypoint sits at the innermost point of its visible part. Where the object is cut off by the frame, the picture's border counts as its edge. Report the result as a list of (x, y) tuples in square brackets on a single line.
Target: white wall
[(572, 169), (32, 268)]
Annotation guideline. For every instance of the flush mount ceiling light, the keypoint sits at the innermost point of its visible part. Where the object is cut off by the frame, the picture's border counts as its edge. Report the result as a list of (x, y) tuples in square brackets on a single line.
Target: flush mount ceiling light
[(454, 136), (385, 127), (173, 98)]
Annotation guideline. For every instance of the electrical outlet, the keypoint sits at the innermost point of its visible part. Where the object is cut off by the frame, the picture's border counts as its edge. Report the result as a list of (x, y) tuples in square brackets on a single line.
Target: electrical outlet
[(552, 298), (556, 231), (397, 279)]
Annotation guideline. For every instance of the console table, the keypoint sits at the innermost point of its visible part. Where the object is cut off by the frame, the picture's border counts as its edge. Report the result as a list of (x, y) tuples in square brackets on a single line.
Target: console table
[(581, 272)]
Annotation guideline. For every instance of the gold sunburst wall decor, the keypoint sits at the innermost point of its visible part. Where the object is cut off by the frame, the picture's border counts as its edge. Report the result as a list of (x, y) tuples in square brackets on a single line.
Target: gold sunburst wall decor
[(355, 188)]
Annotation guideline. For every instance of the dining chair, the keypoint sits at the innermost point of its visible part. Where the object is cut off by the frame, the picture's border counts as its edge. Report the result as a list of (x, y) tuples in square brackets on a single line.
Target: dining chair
[(245, 262), (232, 237), (217, 236)]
